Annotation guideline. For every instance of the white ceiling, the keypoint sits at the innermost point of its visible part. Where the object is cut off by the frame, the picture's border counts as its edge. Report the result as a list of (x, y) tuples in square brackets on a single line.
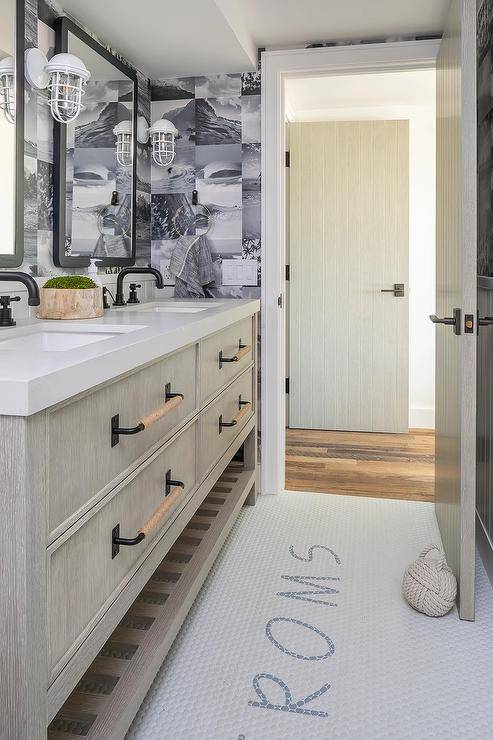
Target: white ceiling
[(166, 38), (364, 96)]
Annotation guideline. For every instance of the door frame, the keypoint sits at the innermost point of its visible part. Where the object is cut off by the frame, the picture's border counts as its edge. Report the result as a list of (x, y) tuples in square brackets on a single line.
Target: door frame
[(277, 66)]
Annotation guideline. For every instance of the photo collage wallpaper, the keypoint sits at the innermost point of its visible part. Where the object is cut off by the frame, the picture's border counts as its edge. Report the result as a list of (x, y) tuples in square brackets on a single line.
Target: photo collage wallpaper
[(218, 155), (485, 143)]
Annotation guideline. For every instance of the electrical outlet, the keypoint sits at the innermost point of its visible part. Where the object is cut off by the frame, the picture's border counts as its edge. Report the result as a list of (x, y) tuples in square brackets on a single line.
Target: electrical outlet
[(168, 278)]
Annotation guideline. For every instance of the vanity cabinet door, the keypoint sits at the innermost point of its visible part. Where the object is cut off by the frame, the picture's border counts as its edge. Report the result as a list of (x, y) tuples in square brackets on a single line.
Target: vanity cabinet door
[(221, 422), (86, 460), (86, 571), (225, 355)]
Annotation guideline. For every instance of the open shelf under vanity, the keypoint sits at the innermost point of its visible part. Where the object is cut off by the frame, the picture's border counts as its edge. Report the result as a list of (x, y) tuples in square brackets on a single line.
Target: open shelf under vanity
[(105, 700)]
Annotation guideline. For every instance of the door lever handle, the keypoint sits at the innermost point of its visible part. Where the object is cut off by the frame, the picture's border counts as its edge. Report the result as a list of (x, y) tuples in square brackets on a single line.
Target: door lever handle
[(486, 321), (397, 290), (449, 320)]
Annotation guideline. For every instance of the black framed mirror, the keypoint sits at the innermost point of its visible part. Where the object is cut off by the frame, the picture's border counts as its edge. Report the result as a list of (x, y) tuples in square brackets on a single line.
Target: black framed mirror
[(94, 193), (12, 134)]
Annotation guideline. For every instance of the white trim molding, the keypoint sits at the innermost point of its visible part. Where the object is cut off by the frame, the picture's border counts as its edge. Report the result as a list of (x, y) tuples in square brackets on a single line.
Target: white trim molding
[(276, 67)]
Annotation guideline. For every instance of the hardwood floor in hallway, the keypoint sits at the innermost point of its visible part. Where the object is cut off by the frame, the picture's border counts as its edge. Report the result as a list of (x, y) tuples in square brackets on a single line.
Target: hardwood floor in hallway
[(400, 466)]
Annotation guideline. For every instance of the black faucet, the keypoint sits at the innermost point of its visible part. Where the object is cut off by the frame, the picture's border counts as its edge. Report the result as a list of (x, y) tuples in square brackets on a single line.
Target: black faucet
[(5, 300), (27, 280), (119, 299)]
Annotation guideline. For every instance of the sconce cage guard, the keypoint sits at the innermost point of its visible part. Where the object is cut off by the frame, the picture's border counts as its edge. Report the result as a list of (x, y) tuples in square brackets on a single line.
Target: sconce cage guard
[(124, 149), (163, 148), (66, 91)]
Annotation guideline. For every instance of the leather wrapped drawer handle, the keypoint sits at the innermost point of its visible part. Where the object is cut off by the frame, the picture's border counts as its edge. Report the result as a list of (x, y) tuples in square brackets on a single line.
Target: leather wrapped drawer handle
[(174, 489), (245, 409), (172, 401), (243, 351)]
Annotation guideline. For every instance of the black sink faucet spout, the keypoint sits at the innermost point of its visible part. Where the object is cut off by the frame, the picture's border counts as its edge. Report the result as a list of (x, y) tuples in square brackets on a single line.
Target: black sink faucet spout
[(27, 280), (119, 299)]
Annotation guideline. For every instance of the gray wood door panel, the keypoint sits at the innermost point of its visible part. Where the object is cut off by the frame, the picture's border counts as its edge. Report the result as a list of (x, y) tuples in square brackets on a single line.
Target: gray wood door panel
[(456, 288)]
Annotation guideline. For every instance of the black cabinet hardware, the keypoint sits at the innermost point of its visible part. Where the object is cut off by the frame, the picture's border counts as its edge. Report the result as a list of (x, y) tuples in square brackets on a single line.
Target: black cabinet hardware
[(397, 290), (450, 320), (116, 429), (237, 418), (164, 506), (243, 350)]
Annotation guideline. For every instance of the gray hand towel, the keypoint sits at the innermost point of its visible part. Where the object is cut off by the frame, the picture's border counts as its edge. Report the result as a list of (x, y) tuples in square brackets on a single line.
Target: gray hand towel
[(191, 264)]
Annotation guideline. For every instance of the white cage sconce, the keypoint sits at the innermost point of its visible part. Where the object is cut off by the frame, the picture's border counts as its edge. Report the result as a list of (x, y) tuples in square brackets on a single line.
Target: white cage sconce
[(163, 134), (124, 153), (7, 88), (64, 76)]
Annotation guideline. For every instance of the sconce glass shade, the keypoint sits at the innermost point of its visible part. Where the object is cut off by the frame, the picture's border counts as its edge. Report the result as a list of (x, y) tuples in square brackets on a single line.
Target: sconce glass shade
[(7, 88), (123, 133), (68, 75), (163, 134)]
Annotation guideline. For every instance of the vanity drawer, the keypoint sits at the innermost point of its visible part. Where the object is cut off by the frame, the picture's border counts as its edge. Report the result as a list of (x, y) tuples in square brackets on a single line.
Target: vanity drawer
[(224, 355), (224, 418), (85, 457), (87, 570)]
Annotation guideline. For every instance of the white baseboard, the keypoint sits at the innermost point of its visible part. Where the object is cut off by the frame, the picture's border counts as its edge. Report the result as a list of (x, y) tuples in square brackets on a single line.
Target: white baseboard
[(422, 418)]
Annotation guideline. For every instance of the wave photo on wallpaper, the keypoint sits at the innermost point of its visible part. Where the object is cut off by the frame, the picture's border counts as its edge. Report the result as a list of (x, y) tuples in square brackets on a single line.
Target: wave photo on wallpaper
[(218, 121), (182, 114)]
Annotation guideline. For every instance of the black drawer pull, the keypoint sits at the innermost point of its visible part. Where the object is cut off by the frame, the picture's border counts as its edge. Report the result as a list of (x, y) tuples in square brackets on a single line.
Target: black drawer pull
[(172, 492), (244, 408), (243, 351), (172, 400)]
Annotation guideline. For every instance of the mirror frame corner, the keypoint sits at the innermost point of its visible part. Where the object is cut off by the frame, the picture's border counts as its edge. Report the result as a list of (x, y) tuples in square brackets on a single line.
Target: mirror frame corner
[(64, 26)]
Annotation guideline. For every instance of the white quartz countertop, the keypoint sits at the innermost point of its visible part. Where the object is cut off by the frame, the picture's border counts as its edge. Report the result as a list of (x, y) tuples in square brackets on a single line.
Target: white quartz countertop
[(32, 379)]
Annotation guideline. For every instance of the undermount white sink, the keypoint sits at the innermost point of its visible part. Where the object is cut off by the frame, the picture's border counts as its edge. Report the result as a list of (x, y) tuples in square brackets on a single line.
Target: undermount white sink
[(61, 338), (173, 309), (176, 307)]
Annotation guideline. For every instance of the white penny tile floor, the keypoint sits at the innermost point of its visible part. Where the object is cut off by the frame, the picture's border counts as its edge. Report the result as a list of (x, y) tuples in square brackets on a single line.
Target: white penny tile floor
[(300, 632)]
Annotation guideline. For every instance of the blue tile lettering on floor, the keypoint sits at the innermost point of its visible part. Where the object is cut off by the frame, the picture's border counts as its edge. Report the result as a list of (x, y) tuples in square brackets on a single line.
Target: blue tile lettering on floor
[(309, 558), (329, 645), (289, 705), (313, 581)]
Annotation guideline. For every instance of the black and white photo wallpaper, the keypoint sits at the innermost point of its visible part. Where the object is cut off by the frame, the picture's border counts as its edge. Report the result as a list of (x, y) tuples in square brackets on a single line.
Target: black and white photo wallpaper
[(217, 154), (485, 143)]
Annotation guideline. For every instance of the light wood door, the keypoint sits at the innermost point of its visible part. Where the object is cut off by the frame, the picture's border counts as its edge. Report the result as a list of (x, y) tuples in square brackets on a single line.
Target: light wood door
[(456, 289), (349, 240)]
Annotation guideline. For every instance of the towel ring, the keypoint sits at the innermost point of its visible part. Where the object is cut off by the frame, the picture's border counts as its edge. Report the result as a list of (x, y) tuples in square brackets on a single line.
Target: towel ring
[(205, 212), (105, 213)]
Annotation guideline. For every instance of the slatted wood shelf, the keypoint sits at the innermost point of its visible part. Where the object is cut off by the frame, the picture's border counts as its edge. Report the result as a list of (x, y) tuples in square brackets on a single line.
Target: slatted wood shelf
[(105, 700)]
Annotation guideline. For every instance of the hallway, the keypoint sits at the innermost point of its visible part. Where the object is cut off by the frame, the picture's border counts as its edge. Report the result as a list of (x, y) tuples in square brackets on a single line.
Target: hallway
[(397, 466)]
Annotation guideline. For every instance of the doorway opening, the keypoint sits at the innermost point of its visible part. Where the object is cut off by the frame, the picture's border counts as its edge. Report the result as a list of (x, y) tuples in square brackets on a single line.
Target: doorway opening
[(360, 283)]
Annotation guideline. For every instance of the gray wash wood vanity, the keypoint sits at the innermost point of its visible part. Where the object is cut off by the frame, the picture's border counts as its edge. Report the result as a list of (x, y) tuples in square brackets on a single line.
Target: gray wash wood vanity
[(86, 625)]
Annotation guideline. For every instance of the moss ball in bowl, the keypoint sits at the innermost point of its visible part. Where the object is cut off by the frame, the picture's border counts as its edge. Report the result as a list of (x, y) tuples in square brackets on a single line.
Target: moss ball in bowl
[(70, 297), (70, 282)]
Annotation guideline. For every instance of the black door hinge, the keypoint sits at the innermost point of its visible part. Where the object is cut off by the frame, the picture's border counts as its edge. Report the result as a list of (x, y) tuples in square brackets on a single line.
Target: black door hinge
[(287, 272), (287, 385), (288, 159)]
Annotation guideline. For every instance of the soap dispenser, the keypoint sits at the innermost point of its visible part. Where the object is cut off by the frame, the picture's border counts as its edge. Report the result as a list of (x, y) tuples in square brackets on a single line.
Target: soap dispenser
[(92, 271)]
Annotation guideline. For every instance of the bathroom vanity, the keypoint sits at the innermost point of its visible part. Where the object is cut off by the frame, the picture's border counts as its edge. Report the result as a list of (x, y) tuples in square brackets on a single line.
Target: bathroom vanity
[(128, 446)]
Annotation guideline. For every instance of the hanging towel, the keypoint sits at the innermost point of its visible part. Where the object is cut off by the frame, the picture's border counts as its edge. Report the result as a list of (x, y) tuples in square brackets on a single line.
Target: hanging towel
[(191, 264)]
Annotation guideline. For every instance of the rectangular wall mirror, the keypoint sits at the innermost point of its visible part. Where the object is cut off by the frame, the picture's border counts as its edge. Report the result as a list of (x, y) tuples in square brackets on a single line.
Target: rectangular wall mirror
[(11, 132), (95, 192)]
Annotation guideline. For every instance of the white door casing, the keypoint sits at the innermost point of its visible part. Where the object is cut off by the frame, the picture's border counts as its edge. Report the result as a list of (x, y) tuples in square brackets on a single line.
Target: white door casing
[(276, 66)]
